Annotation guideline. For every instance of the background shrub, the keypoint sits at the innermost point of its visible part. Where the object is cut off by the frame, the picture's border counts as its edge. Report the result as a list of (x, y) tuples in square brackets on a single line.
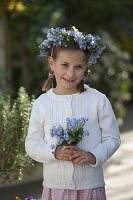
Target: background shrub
[(14, 120)]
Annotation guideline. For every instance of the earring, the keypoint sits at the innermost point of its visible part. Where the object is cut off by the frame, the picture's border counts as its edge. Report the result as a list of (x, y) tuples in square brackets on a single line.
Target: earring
[(51, 74), (84, 78)]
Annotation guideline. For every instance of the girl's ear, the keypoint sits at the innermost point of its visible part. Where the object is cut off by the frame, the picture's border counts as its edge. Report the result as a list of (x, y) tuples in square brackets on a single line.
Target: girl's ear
[(51, 62)]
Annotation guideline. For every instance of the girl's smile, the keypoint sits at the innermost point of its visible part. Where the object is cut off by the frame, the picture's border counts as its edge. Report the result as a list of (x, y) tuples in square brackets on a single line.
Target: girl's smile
[(69, 80), (69, 68)]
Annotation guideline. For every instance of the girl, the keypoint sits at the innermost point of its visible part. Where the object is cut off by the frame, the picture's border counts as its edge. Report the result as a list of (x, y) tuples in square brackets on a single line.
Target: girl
[(72, 172)]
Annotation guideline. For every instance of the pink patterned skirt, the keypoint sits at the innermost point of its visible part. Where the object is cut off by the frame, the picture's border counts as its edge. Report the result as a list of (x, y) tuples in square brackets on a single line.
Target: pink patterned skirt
[(65, 194)]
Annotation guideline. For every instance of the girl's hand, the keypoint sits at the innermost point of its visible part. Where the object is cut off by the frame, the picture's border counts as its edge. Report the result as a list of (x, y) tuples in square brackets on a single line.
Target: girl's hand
[(81, 156), (65, 152)]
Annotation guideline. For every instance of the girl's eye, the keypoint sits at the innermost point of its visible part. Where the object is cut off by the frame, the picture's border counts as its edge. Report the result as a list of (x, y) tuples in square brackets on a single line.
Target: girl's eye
[(79, 66), (65, 65)]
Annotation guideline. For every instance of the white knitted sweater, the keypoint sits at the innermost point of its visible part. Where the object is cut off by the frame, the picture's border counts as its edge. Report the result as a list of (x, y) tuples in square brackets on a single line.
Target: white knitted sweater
[(51, 109)]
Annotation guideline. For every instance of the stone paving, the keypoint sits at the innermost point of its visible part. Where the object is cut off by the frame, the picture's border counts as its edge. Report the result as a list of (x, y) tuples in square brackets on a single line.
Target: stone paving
[(119, 171)]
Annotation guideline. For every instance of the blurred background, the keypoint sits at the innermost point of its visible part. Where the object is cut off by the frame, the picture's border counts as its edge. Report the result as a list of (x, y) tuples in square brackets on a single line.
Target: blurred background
[(23, 26)]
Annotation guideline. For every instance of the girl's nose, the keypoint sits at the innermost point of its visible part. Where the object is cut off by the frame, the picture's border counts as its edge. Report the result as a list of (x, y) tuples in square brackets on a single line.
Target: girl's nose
[(70, 73)]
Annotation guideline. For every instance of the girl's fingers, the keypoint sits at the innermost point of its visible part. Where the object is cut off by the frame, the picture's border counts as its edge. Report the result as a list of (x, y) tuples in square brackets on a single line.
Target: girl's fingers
[(86, 157), (76, 155), (64, 153), (78, 160), (81, 159), (68, 154), (69, 151), (65, 158)]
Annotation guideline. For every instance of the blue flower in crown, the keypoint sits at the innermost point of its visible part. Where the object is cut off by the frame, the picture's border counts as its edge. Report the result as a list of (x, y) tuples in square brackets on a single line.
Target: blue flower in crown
[(62, 38)]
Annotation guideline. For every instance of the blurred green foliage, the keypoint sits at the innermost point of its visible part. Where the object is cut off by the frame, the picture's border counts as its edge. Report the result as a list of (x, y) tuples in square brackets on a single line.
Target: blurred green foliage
[(112, 76), (14, 120)]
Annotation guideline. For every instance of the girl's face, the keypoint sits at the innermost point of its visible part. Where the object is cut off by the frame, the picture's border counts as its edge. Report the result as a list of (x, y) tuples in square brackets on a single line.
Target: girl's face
[(69, 68)]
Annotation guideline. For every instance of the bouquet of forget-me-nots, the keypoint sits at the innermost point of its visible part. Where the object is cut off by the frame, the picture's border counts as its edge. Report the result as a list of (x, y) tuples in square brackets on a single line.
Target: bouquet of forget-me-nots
[(72, 134)]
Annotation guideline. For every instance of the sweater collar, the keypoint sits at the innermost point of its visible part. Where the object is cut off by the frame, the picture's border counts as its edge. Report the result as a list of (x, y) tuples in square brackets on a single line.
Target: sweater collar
[(63, 97)]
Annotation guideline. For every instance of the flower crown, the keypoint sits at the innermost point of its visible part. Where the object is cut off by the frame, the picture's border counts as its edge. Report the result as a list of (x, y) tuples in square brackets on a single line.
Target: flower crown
[(62, 38)]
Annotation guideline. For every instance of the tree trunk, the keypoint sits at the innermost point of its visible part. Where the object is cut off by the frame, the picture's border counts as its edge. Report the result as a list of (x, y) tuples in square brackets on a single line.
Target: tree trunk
[(25, 79), (2, 56), (7, 48)]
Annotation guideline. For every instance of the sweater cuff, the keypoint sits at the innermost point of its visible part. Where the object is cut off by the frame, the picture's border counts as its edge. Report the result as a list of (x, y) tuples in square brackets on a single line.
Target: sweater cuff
[(95, 165), (100, 155), (51, 152)]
